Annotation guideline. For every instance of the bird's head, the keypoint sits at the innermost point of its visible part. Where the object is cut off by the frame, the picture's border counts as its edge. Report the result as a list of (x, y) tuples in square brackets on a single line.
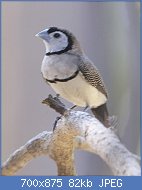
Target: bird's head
[(58, 41)]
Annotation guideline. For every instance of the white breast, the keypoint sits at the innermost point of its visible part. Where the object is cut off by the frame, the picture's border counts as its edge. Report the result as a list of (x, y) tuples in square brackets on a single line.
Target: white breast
[(79, 92)]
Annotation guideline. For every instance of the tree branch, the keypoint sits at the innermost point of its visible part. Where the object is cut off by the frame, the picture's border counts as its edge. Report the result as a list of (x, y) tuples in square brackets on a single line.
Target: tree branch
[(79, 130)]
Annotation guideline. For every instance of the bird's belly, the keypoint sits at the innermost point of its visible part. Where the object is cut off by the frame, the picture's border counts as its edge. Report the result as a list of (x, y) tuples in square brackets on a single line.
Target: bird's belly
[(79, 92)]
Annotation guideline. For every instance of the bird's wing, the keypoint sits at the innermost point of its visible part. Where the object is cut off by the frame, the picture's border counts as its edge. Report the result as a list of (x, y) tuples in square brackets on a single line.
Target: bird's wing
[(91, 74)]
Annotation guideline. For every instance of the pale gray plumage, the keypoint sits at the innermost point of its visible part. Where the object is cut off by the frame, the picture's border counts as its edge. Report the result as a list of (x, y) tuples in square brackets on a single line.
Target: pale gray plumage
[(71, 74)]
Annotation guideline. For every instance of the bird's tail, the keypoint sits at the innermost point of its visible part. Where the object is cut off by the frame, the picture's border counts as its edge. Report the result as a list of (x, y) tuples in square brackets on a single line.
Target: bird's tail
[(101, 113)]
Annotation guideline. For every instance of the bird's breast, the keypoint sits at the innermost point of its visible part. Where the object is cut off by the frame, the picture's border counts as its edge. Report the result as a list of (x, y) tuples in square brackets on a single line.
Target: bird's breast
[(79, 92), (76, 90), (58, 67)]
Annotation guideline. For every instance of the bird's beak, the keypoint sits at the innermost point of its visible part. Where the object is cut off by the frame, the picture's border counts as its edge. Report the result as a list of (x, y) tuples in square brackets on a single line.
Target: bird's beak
[(43, 35)]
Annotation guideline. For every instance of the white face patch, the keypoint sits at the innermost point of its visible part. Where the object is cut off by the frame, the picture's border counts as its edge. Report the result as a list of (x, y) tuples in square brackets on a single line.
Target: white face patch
[(57, 41), (46, 46)]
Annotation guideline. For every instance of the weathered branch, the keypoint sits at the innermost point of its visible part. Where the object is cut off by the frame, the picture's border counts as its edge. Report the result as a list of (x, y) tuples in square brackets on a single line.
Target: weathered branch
[(79, 130), (33, 148), (55, 103)]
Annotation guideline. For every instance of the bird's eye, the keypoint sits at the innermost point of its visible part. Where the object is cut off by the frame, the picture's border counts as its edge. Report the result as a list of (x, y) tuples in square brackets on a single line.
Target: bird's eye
[(56, 35)]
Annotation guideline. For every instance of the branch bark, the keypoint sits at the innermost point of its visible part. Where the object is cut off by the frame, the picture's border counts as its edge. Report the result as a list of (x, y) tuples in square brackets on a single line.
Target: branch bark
[(73, 130)]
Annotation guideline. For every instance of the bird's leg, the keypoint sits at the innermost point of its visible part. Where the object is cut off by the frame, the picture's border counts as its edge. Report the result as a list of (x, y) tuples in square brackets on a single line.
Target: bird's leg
[(73, 107), (57, 98), (86, 108)]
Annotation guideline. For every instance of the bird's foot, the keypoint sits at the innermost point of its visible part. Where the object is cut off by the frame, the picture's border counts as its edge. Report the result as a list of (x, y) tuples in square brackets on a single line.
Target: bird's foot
[(69, 110)]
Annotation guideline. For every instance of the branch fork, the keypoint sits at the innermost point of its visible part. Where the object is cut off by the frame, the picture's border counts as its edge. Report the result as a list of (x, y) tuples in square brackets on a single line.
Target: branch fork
[(75, 130)]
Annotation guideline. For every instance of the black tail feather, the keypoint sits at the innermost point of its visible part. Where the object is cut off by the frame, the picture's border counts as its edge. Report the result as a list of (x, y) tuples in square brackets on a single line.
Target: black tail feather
[(101, 114)]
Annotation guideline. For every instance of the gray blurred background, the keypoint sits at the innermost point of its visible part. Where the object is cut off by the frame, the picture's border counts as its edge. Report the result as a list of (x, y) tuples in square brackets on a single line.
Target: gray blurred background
[(109, 34)]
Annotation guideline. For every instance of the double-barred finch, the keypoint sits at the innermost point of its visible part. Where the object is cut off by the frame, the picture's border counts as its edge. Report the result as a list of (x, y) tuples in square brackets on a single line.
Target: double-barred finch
[(71, 74)]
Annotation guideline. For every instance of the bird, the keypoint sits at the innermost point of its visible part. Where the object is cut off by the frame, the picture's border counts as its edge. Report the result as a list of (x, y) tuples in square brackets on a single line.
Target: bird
[(71, 74)]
